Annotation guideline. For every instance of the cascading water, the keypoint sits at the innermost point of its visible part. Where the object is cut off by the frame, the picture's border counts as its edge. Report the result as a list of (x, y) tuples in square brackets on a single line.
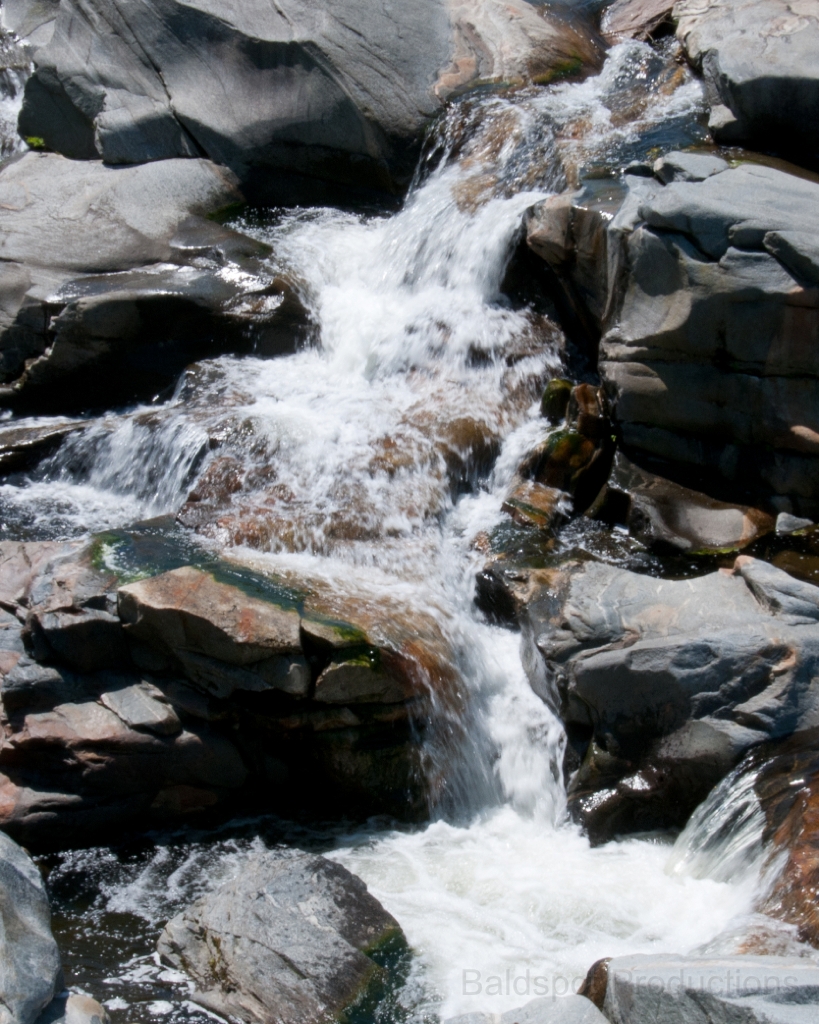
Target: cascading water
[(353, 457)]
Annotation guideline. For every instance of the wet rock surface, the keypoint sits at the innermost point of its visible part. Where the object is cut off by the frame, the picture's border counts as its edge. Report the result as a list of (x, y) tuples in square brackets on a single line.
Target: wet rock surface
[(636, 19), (30, 970), (547, 1010), (666, 516), (113, 281), (159, 699), (290, 939), (663, 684)]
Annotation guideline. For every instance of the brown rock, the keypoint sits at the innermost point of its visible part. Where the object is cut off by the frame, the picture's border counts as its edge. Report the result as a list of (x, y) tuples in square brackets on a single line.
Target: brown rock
[(788, 789), (635, 19), (596, 982), (188, 610), (531, 503), (359, 682), (20, 563)]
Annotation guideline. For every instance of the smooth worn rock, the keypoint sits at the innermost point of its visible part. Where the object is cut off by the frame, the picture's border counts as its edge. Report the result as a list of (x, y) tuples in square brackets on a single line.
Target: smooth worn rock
[(785, 780), (787, 524), (665, 684), (22, 446), (635, 19), (188, 610), (688, 166), (546, 1010), (83, 217), (30, 969), (74, 1008), (569, 233), (127, 284), (288, 96), (758, 58), (287, 940), (720, 990), (710, 340), (665, 515)]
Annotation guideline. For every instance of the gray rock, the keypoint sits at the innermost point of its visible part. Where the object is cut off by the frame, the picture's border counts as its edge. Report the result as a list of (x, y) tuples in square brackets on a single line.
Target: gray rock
[(74, 1008), (339, 93), (688, 166), (23, 445), (102, 218), (704, 347), (30, 20), (30, 970), (725, 990), (128, 263), (285, 941), (787, 524), (142, 706), (759, 61), (85, 639), (546, 1010), (664, 514), (358, 682), (666, 683), (29, 686)]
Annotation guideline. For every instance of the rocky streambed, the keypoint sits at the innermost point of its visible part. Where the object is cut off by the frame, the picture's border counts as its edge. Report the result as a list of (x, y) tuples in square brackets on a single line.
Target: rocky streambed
[(409, 585)]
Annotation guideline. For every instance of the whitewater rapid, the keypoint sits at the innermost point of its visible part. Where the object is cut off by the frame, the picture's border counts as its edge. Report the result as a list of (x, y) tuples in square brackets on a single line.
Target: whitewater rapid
[(499, 896)]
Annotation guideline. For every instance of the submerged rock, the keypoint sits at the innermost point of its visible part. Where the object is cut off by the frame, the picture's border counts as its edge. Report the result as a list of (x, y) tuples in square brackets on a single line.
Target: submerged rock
[(30, 970), (665, 684), (288, 941), (287, 96), (758, 58)]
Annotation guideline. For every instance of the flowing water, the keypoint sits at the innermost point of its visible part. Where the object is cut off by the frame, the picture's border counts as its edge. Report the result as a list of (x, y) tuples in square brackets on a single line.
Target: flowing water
[(381, 452)]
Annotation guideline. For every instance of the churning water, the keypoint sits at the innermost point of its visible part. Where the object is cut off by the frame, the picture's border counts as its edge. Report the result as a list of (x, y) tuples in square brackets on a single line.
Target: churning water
[(386, 448)]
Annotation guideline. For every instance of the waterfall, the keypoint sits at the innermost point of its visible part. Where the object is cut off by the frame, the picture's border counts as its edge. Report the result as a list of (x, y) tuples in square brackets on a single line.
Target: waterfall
[(344, 442)]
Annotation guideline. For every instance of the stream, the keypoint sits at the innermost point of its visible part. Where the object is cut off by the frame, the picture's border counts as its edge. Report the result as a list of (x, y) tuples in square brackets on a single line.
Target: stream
[(413, 335)]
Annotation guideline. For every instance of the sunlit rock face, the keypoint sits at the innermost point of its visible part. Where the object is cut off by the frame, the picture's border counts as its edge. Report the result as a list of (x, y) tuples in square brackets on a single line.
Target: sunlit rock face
[(664, 684), (339, 93), (180, 693), (758, 58)]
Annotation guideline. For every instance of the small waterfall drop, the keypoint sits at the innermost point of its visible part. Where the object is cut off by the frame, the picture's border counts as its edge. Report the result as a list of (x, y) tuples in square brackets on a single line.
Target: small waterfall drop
[(353, 455)]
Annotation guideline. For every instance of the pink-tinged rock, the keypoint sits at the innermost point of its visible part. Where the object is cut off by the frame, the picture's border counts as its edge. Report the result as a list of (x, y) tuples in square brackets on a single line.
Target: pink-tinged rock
[(188, 610)]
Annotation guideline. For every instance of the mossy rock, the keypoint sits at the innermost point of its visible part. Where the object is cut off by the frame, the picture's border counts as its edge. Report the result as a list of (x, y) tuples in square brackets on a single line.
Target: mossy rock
[(555, 399)]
